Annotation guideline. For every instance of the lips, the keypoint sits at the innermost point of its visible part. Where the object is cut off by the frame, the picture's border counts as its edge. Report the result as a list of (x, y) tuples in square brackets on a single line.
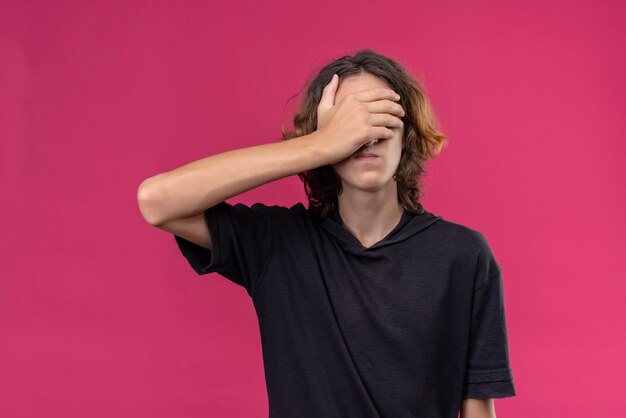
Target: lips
[(366, 154)]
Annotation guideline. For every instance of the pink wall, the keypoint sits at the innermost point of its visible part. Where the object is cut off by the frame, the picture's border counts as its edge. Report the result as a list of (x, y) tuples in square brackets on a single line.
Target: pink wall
[(101, 316)]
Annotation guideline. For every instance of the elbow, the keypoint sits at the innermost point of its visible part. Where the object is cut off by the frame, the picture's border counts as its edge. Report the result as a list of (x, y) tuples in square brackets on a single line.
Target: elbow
[(147, 200)]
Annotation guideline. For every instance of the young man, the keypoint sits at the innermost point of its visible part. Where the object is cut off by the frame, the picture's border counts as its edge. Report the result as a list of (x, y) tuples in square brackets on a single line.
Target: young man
[(369, 305)]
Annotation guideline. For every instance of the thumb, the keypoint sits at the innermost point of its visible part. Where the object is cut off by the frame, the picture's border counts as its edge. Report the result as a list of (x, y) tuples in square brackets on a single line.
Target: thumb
[(328, 94)]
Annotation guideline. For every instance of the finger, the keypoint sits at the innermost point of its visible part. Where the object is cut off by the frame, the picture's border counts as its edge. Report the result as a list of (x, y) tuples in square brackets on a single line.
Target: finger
[(379, 93), (385, 106), (328, 94), (385, 119), (380, 132)]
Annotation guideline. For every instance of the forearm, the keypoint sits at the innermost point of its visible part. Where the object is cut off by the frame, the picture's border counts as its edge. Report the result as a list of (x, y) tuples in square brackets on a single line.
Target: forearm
[(477, 408), (194, 187)]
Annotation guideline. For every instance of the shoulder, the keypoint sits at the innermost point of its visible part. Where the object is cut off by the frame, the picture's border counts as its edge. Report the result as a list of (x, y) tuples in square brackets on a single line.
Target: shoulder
[(296, 207), (462, 236), (277, 217), (260, 208)]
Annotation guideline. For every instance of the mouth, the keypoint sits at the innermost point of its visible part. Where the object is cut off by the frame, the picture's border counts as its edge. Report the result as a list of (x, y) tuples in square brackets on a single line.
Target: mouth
[(363, 153), (366, 155)]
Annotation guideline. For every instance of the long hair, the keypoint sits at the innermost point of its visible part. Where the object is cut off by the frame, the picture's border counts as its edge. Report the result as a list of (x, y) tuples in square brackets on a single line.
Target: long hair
[(421, 139)]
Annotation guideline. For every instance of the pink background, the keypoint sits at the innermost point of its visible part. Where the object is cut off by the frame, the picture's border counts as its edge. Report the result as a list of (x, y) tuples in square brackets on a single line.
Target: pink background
[(100, 315)]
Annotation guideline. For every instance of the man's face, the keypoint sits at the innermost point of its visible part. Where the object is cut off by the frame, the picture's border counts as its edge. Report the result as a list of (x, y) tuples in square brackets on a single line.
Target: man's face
[(369, 174)]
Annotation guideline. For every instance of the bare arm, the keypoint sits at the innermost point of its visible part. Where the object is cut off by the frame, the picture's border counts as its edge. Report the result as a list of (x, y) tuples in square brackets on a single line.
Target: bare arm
[(188, 190), (477, 408)]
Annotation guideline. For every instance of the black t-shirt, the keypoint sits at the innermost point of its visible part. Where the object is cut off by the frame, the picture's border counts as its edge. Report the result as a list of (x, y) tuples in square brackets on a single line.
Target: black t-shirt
[(404, 328)]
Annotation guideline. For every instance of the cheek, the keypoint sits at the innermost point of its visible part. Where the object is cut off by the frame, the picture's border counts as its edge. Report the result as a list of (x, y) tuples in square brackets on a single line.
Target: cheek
[(394, 149), (340, 168)]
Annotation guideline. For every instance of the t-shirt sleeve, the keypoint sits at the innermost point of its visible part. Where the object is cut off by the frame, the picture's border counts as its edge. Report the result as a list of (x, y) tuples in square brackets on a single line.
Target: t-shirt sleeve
[(488, 372), (241, 242)]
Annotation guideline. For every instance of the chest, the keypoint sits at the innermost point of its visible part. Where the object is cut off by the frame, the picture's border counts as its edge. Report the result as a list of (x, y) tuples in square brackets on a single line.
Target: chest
[(388, 291)]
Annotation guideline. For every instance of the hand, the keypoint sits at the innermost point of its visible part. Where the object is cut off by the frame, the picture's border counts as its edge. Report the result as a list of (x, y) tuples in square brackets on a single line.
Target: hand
[(358, 119)]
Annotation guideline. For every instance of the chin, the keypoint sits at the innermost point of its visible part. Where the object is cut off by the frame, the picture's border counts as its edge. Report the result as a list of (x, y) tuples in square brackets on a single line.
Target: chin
[(371, 183)]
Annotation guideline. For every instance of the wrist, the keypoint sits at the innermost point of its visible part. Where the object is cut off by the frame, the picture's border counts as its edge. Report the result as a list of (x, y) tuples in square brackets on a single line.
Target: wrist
[(319, 151)]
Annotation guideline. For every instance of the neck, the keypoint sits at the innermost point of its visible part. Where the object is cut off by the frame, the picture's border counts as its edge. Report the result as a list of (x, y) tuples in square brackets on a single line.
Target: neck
[(370, 216)]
